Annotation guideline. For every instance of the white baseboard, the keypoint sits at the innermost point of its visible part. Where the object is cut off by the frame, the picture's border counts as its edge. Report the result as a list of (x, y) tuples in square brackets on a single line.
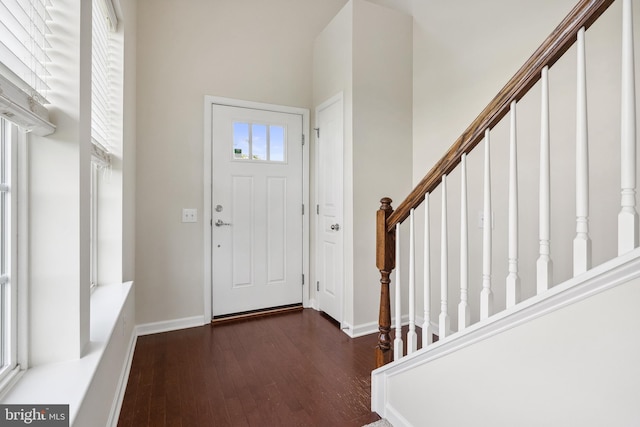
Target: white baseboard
[(395, 418), (313, 304), (169, 325), (140, 330), (362, 329), (122, 383), (372, 327)]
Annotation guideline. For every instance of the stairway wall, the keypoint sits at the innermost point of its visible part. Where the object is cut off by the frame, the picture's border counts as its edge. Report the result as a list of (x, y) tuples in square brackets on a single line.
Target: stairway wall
[(575, 366)]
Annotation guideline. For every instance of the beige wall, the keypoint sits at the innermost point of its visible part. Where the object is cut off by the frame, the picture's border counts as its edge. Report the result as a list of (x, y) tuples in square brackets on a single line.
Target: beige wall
[(382, 136), (251, 50), (188, 50)]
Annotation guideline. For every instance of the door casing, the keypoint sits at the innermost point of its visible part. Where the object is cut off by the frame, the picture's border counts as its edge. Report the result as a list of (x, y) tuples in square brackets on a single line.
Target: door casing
[(207, 216)]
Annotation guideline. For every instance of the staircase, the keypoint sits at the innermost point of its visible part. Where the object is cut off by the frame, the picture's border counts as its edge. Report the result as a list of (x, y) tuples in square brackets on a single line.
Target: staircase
[(545, 286)]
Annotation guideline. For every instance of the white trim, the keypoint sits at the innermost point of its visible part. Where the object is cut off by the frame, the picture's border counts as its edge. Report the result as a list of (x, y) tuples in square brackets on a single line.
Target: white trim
[(23, 250), (41, 384), (362, 329), (603, 277), (170, 325), (209, 101), (116, 406), (393, 416), (109, 12), (372, 327), (25, 111)]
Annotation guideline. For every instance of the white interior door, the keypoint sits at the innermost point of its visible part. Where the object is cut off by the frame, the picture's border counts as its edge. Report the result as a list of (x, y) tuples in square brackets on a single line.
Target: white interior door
[(330, 264), (257, 218)]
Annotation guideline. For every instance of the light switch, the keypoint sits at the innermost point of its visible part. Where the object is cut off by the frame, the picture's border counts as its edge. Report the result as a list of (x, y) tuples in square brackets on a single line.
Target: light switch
[(189, 215)]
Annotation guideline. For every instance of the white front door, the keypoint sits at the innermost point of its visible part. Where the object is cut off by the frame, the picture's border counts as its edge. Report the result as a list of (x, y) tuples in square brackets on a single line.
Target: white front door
[(329, 137), (257, 218)]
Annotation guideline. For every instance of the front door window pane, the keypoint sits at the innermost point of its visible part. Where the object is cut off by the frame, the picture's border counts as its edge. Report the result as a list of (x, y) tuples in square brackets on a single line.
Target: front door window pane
[(276, 143), (241, 141), (259, 142)]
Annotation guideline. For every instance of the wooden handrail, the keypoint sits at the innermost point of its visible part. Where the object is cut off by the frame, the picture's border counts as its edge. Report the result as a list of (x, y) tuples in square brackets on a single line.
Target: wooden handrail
[(585, 13)]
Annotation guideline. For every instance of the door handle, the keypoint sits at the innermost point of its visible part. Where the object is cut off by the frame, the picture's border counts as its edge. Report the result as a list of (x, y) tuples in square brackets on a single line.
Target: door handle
[(220, 223), (335, 227)]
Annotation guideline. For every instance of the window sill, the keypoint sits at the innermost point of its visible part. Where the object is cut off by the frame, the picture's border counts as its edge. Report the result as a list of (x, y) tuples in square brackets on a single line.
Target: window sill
[(68, 382)]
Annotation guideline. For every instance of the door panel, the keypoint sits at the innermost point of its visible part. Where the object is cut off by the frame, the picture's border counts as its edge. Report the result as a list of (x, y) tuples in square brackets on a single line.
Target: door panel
[(257, 231), (329, 118)]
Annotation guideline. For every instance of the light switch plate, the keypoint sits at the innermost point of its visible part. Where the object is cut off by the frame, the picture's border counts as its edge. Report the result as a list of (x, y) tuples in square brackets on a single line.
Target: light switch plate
[(189, 215)]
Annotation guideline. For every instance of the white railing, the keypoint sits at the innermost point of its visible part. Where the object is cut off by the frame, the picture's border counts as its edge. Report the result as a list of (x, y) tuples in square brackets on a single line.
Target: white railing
[(486, 283)]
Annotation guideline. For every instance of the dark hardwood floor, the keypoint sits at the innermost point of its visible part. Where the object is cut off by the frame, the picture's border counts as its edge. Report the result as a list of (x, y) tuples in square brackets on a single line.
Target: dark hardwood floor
[(294, 369)]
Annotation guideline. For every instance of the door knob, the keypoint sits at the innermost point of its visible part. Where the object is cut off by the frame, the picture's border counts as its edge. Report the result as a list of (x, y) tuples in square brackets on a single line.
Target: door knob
[(220, 223), (335, 227)]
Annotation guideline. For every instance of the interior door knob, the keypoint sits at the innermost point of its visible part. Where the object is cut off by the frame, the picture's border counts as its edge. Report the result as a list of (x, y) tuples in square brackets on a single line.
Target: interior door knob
[(220, 223), (335, 227)]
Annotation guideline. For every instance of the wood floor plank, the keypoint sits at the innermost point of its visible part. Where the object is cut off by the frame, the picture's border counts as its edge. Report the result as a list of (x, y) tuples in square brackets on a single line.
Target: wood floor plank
[(295, 369)]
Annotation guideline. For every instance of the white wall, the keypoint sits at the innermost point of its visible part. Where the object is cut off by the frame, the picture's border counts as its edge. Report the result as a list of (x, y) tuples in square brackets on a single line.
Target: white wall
[(59, 197), (251, 50), (457, 70), (576, 366)]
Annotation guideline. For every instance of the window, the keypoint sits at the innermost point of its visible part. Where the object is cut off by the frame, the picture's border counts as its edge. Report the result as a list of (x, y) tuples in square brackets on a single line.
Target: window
[(93, 224), (104, 22), (8, 249), (23, 89), (259, 142), (100, 76)]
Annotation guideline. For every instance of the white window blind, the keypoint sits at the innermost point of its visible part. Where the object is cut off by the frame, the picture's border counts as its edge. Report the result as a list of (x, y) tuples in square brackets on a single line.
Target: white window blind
[(23, 63), (23, 43), (102, 71)]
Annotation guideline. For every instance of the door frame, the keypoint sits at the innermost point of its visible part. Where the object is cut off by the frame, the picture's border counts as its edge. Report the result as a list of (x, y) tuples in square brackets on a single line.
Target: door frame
[(207, 216)]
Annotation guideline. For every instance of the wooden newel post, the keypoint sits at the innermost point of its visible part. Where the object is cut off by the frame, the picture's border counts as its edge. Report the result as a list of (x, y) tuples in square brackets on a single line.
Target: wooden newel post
[(385, 261)]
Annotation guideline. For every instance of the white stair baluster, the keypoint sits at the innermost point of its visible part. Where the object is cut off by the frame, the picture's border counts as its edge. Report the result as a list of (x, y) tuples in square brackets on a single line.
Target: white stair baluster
[(427, 330), (443, 320), (628, 216), (513, 279), (582, 242), (412, 337), (397, 342), (486, 295), (463, 307), (544, 264)]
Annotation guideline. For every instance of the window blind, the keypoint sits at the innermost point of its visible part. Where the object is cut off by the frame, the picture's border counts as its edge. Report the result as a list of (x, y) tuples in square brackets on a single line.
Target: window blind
[(23, 45), (23, 64), (101, 82)]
